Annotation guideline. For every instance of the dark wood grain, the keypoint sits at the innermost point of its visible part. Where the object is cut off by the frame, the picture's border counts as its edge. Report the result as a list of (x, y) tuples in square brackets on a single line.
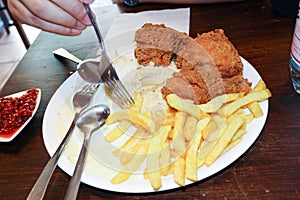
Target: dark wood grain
[(268, 170)]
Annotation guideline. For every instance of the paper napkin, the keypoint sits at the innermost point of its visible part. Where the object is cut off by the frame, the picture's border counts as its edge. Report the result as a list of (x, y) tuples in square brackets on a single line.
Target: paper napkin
[(178, 19)]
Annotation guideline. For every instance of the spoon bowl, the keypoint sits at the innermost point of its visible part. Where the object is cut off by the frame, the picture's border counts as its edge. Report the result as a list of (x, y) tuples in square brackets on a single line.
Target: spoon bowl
[(89, 70), (88, 122), (93, 118)]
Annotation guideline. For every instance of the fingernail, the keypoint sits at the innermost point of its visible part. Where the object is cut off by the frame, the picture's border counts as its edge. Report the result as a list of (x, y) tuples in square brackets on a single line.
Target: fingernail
[(88, 1), (86, 20), (80, 25), (75, 31)]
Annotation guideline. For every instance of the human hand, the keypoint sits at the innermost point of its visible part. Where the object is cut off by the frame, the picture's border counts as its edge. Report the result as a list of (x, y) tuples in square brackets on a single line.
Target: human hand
[(65, 17), (179, 1)]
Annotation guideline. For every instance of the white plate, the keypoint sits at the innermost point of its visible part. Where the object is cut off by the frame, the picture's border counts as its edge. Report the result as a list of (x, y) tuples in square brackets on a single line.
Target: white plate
[(19, 94), (101, 165)]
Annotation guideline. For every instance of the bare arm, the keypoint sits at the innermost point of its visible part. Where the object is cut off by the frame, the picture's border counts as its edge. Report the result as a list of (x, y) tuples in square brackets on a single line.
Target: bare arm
[(66, 17)]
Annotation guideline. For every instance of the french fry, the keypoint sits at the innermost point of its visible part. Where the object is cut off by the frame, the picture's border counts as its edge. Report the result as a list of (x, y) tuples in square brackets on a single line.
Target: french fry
[(136, 118), (230, 108), (132, 166), (248, 118), (165, 156), (232, 144), (142, 121), (124, 125), (224, 140), (211, 127), (255, 109), (170, 118), (177, 137), (216, 103), (161, 117), (184, 105), (118, 131), (237, 137), (238, 113), (189, 127), (179, 170), (242, 131), (261, 85), (180, 140), (126, 156), (219, 120), (208, 144), (179, 148), (153, 172), (117, 117), (158, 139), (204, 150), (132, 141), (191, 155), (241, 113), (138, 102), (214, 135)]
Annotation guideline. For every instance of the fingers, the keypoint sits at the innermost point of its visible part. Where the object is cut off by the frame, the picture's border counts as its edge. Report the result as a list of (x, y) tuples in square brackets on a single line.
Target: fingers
[(87, 1), (75, 8), (28, 18), (57, 16), (54, 28)]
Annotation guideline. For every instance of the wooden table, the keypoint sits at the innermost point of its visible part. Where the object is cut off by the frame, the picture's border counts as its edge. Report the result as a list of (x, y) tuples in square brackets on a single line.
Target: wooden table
[(268, 170)]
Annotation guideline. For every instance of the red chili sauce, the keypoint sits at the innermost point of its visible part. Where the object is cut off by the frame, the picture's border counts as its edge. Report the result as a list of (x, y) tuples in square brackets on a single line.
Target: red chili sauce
[(14, 112)]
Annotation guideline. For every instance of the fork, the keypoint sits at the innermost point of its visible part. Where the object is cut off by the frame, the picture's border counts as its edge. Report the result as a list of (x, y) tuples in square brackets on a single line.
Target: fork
[(80, 101), (107, 71)]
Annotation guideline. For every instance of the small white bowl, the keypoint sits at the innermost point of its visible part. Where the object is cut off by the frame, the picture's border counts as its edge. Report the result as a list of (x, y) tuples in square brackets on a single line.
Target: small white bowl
[(19, 94)]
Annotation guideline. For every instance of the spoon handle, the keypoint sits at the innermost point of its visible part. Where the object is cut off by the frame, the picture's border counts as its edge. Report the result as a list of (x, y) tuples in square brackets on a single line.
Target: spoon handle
[(40, 186), (73, 187)]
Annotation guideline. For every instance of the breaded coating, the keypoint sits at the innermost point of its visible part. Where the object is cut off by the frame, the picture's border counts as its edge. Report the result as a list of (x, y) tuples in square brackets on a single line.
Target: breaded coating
[(209, 64), (222, 52), (202, 86), (160, 44)]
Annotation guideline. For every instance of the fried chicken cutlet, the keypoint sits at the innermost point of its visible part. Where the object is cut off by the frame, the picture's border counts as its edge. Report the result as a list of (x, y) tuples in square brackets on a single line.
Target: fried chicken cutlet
[(209, 64), (160, 45), (222, 52)]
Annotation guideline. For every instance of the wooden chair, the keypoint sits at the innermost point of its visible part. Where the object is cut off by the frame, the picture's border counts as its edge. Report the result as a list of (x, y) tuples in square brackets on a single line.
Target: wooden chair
[(8, 21)]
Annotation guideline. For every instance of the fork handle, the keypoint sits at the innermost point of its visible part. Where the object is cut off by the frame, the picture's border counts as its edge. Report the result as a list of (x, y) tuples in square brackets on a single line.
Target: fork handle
[(95, 25), (40, 186)]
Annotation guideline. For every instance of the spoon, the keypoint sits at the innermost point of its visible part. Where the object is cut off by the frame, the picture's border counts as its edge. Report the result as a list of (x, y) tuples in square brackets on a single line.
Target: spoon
[(87, 68), (89, 71), (88, 122)]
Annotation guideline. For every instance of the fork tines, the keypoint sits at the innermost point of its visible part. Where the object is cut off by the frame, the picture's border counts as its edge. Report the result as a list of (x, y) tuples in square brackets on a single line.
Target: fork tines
[(119, 92), (89, 88)]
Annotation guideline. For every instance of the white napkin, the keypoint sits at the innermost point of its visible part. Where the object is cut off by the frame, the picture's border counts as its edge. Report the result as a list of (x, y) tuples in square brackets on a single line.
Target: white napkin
[(178, 19)]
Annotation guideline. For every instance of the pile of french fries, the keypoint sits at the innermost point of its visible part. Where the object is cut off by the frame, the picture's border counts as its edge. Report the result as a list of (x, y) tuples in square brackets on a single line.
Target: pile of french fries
[(181, 139)]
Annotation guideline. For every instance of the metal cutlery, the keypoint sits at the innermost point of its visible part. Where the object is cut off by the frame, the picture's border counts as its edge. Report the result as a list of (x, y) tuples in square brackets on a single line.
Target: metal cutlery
[(88, 122), (66, 54), (81, 100), (106, 71)]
